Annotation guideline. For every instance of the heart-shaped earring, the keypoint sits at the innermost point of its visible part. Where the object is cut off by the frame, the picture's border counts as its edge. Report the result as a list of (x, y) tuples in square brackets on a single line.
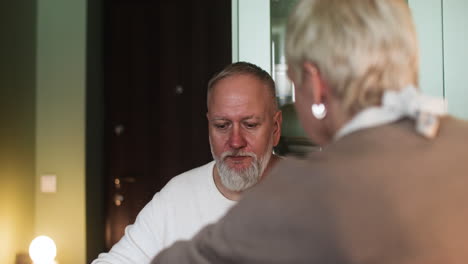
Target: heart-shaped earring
[(319, 111)]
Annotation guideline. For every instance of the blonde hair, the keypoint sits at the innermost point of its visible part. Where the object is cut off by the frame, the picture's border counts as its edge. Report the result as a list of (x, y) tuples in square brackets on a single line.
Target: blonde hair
[(361, 47)]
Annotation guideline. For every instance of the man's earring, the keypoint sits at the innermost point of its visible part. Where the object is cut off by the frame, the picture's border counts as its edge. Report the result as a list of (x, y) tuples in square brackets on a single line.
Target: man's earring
[(319, 111)]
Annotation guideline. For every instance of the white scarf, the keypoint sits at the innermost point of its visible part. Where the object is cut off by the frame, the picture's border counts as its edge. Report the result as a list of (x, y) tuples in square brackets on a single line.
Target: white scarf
[(409, 102)]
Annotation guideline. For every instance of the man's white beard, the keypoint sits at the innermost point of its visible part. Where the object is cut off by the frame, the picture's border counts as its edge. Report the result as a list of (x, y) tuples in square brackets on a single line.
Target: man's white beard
[(241, 179)]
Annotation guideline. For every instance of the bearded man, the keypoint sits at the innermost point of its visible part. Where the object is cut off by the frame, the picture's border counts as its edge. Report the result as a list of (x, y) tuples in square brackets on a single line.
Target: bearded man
[(244, 126)]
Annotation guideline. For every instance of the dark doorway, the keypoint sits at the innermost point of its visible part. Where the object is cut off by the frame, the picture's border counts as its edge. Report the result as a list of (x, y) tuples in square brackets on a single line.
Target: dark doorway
[(158, 58)]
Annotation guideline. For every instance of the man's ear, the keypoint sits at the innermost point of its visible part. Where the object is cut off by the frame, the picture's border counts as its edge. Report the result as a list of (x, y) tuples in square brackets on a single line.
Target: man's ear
[(315, 84), (208, 119), (278, 120)]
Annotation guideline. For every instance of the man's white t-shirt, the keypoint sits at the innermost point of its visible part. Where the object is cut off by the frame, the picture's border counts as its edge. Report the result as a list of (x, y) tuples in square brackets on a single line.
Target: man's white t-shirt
[(186, 204)]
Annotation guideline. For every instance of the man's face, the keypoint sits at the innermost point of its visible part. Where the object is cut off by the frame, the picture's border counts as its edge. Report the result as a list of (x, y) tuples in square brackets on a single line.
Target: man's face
[(243, 128)]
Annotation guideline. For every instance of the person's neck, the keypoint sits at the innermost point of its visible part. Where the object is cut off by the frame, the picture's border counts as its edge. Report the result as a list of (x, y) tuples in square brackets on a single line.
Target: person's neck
[(236, 195), (335, 120)]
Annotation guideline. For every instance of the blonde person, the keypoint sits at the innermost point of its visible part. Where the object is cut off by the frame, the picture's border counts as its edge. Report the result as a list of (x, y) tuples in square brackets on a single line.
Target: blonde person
[(391, 183)]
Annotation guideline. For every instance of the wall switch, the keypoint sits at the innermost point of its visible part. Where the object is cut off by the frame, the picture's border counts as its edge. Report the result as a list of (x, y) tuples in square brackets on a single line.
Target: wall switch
[(49, 183)]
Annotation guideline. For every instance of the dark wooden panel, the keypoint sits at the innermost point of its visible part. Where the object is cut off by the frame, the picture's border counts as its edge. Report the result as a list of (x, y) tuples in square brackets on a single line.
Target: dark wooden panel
[(151, 49)]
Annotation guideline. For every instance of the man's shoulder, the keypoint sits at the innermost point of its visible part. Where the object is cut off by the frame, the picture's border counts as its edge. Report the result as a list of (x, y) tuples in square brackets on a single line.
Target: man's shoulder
[(190, 178)]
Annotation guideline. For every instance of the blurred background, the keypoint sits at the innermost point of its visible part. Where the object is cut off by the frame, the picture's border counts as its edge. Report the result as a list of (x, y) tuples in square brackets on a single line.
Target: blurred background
[(103, 101)]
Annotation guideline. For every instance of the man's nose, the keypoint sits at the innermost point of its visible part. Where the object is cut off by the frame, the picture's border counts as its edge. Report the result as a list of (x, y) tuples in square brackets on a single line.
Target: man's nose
[(237, 139)]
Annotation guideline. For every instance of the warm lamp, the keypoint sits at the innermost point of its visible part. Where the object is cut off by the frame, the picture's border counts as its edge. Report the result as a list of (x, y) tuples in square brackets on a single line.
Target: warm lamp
[(42, 250)]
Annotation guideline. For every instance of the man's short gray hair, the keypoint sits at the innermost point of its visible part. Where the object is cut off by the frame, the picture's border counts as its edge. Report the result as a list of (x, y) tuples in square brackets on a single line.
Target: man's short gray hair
[(241, 68)]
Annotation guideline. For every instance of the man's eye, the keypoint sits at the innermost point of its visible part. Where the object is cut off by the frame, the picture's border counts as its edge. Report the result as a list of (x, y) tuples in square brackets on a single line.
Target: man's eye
[(251, 125), (221, 126)]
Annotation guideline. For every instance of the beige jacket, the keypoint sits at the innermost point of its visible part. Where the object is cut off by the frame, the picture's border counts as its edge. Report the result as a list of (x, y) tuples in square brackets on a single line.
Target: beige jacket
[(380, 195)]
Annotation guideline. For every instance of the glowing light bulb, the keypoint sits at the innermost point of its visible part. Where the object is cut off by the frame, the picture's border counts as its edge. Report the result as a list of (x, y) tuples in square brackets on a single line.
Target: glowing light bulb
[(42, 250)]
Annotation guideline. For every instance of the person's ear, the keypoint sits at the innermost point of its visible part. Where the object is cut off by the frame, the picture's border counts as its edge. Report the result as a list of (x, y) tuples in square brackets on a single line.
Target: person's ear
[(208, 119), (315, 83), (278, 120)]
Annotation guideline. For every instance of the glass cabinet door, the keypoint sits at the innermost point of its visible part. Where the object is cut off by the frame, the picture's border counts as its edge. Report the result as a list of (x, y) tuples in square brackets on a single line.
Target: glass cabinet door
[(258, 34), (279, 14), (293, 138)]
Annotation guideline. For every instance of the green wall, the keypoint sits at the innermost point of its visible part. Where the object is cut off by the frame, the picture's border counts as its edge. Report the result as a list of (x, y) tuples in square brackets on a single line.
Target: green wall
[(17, 102), (60, 125), (42, 131), (456, 56)]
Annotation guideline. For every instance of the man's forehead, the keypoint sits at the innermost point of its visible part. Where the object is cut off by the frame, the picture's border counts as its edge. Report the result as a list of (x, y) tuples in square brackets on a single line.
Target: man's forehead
[(238, 106), (240, 96), (239, 84), (218, 117)]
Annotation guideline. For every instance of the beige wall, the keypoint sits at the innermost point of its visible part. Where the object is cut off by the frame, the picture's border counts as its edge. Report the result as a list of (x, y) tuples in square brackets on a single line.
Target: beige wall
[(42, 125), (17, 103), (60, 125)]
